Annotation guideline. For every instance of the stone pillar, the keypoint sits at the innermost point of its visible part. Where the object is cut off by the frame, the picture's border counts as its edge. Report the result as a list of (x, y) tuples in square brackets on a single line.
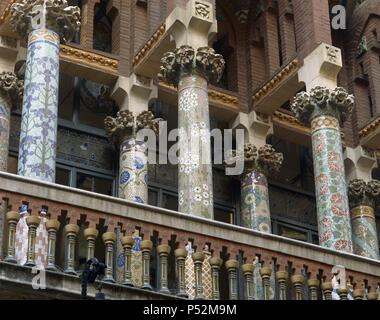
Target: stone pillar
[(12, 219), (146, 247), (282, 277), (362, 198), (71, 231), (190, 70), (265, 274), (248, 280), (358, 294), (133, 165), (215, 263), (52, 227), (297, 281), (198, 258), (33, 222), (180, 255), (163, 251), (325, 109), (343, 293), (254, 195), (232, 266), (90, 234), (38, 135), (313, 285), (327, 289), (109, 240), (127, 243), (10, 93)]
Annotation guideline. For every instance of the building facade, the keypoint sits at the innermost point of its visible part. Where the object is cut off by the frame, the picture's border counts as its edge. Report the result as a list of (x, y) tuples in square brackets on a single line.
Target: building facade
[(294, 85)]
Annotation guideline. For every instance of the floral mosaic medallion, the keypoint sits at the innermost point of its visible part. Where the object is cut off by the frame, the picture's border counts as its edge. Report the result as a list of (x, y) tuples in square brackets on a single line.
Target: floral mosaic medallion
[(133, 178), (255, 202), (364, 233), (195, 170), (4, 129), (331, 190), (38, 136)]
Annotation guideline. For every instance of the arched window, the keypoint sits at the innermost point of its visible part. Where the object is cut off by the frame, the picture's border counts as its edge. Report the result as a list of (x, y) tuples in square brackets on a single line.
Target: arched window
[(102, 28)]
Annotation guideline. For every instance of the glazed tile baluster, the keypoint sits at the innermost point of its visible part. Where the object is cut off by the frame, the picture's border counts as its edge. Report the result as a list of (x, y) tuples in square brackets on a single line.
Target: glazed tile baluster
[(265, 274), (215, 263), (325, 110), (38, 135), (180, 256), (327, 289), (109, 240), (232, 266), (22, 235), (297, 281), (71, 231), (146, 247), (163, 251), (12, 219), (127, 243), (191, 70), (313, 285), (248, 280), (198, 258), (52, 227), (41, 250), (33, 222), (362, 197), (90, 235), (282, 278)]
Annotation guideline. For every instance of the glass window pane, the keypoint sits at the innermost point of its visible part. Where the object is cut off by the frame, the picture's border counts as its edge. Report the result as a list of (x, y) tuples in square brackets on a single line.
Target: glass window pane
[(288, 232), (12, 164), (66, 97), (103, 186), (152, 197), (62, 176), (169, 202), (223, 215), (84, 181)]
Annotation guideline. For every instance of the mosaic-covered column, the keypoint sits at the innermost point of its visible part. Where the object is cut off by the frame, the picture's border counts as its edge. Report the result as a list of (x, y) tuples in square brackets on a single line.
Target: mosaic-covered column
[(362, 197), (44, 23), (325, 109), (254, 195), (10, 94), (133, 165), (191, 71)]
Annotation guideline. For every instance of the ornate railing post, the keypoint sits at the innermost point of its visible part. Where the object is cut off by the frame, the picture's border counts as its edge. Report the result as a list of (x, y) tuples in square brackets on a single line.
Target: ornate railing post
[(12, 219), (133, 163), (198, 258), (52, 227), (325, 109), (327, 289), (163, 251), (71, 231), (90, 235), (146, 247), (109, 240), (10, 93), (313, 285), (358, 294), (215, 263), (33, 222), (282, 278), (127, 243), (372, 296), (362, 198), (343, 293), (180, 255), (265, 273), (232, 266), (38, 22), (254, 195), (248, 280), (297, 281), (190, 70)]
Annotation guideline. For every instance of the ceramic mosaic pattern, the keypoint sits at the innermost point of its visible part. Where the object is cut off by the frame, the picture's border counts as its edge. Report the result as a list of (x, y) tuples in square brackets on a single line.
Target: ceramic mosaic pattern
[(364, 235), (5, 104), (41, 244), (133, 178), (258, 291), (119, 257), (206, 276), (21, 244), (189, 273), (194, 170), (331, 191), (136, 263), (255, 212), (37, 151)]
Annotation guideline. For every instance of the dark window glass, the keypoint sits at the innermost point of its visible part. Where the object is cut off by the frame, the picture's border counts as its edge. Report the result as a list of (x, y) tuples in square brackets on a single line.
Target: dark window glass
[(169, 201), (66, 97), (292, 233), (152, 197), (62, 176), (102, 28), (223, 215), (95, 184), (12, 164)]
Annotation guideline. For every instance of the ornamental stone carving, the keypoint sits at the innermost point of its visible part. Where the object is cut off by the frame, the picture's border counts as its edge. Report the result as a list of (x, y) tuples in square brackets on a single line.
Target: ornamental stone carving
[(264, 160), (10, 84), (27, 15), (126, 124), (362, 193), (184, 60), (323, 101)]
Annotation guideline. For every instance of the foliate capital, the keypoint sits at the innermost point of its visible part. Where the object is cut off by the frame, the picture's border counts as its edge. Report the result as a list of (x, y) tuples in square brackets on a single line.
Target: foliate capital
[(264, 159), (55, 15), (323, 101), (362, 193), (185, 60), (125, 124), (10, 84)]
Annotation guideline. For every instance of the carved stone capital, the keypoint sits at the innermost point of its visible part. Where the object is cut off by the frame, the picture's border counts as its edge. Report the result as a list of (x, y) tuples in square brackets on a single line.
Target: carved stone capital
[(363, 193), (264, 159), (323, 101), (184, 60), (126, 124), (10, 84), (28, 15)]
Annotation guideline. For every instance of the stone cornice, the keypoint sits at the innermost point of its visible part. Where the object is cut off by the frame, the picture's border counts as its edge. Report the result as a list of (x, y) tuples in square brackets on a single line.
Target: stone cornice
[(368, 129), (6, 12), (289, 120), (154, 39)]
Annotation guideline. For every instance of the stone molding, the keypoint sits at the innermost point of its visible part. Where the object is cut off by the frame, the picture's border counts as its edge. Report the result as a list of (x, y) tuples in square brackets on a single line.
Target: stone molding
[(10, 84), (361, 193)]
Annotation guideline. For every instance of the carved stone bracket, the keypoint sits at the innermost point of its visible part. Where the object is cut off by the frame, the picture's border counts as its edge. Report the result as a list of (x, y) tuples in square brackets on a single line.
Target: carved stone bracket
[(126, 124), (264, 159), (184, 60), (323, 101), (363, 193), (27, 15), (10, 84)]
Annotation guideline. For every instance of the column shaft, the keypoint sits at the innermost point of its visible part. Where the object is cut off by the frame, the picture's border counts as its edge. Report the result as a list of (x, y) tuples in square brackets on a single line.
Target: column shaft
[(5, 114), (38, 135)]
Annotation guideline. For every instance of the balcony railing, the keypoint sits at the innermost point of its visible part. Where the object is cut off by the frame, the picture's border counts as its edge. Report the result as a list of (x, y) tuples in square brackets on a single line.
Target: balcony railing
[(245, 264)]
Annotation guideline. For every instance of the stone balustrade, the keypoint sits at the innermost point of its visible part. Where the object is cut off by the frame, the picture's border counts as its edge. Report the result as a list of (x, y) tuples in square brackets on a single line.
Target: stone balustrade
[(225, 261)]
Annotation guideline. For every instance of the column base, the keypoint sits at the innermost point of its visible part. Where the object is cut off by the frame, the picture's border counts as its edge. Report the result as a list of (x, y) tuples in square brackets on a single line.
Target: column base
[(30, 264), (182, 294), (200, 297), (109, 280), (71, 271), (51, 268), (128, 283), (10, 260), (147, 287), (165, 291)]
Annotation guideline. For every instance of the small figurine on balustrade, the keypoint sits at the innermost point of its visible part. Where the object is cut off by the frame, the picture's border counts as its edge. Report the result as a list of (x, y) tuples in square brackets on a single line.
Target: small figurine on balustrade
[(21, 244)]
